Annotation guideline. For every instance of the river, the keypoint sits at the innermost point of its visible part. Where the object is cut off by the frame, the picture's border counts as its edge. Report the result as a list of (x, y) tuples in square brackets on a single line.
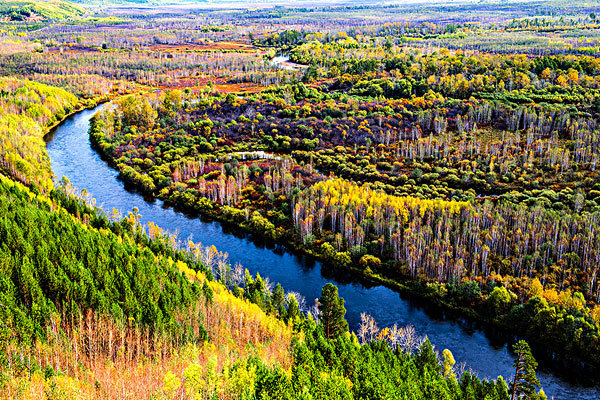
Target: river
[(485, 353)]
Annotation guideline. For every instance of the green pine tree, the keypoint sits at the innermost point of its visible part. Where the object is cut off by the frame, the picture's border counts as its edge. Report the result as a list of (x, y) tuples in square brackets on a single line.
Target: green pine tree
[(525, 379), (293, 310), (332, 312), (427, 357), (277, 299)]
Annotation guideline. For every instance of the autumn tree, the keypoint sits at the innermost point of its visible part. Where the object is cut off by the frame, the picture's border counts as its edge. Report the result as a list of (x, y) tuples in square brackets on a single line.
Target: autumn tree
[(448, 363), (498, 302), (136, 112)]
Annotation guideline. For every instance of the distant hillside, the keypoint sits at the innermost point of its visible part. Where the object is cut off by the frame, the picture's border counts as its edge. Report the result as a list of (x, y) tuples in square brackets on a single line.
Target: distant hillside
[(220, 3), (29, 10)]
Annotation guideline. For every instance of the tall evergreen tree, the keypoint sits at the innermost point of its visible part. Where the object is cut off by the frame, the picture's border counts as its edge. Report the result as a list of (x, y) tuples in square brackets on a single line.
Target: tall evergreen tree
[(332, 312), (525, 378), (427, 357), (277, 300), (293, 310)]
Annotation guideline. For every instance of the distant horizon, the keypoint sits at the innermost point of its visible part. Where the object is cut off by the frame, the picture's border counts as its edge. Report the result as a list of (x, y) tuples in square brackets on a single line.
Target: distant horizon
[(273, 3)]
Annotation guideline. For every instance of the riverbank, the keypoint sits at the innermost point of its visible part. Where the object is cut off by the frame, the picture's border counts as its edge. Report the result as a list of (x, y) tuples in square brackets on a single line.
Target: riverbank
[(89, 105), (82, 106)]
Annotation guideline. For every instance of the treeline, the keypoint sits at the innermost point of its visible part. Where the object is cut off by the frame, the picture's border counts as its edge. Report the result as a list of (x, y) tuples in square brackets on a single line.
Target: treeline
[(174, 67), (23, 10), (287, 38), (519, 33), (90, 89), (462, 73), (27, 110)]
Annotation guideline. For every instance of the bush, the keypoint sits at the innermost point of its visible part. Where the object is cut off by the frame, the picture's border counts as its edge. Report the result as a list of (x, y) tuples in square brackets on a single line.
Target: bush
[(498, 302), (369, 261)]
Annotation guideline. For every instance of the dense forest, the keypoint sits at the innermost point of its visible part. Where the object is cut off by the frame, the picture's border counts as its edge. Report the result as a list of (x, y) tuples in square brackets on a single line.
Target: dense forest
[(24, 118), (504, 193), (88, 305), (449, 152)]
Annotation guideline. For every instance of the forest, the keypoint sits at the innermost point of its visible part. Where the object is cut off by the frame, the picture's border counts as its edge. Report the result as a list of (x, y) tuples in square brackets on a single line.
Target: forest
[(373, 174), (92, 306), (19, 10), (449, 152)]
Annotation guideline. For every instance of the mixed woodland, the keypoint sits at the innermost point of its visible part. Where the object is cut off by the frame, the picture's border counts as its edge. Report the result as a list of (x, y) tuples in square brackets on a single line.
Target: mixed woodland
[(442, 153)]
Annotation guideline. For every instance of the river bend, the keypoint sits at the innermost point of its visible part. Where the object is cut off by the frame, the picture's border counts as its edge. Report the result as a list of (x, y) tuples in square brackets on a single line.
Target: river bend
[(484, 353)]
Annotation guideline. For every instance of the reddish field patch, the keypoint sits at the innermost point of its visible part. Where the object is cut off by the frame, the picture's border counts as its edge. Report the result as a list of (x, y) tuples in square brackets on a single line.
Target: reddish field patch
[(220, 85), (167, 48), (204, 46)]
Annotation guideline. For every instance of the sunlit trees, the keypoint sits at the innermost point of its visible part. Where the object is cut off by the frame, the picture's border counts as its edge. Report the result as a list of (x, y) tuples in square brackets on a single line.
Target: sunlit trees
[(73, 316), (468, 171), (448, 364), (27, 111), (332, 312), (135, 112), (498, 302), (525, 381)]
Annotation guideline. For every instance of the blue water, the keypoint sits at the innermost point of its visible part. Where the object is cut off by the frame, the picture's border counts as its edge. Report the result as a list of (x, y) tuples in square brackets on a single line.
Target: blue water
[(72, 156)]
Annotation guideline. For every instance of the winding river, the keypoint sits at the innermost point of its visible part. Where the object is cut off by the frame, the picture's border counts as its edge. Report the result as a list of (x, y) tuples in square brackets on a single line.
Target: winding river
[(484, 352)]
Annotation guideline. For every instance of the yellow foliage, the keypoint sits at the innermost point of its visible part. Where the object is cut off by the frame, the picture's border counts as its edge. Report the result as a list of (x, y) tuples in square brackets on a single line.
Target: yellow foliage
[(237, 330), (57, 387), (596, 314), (536, 288), (551, 295), (383, 334), (170, 384), (348, 195), (242, 379)]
